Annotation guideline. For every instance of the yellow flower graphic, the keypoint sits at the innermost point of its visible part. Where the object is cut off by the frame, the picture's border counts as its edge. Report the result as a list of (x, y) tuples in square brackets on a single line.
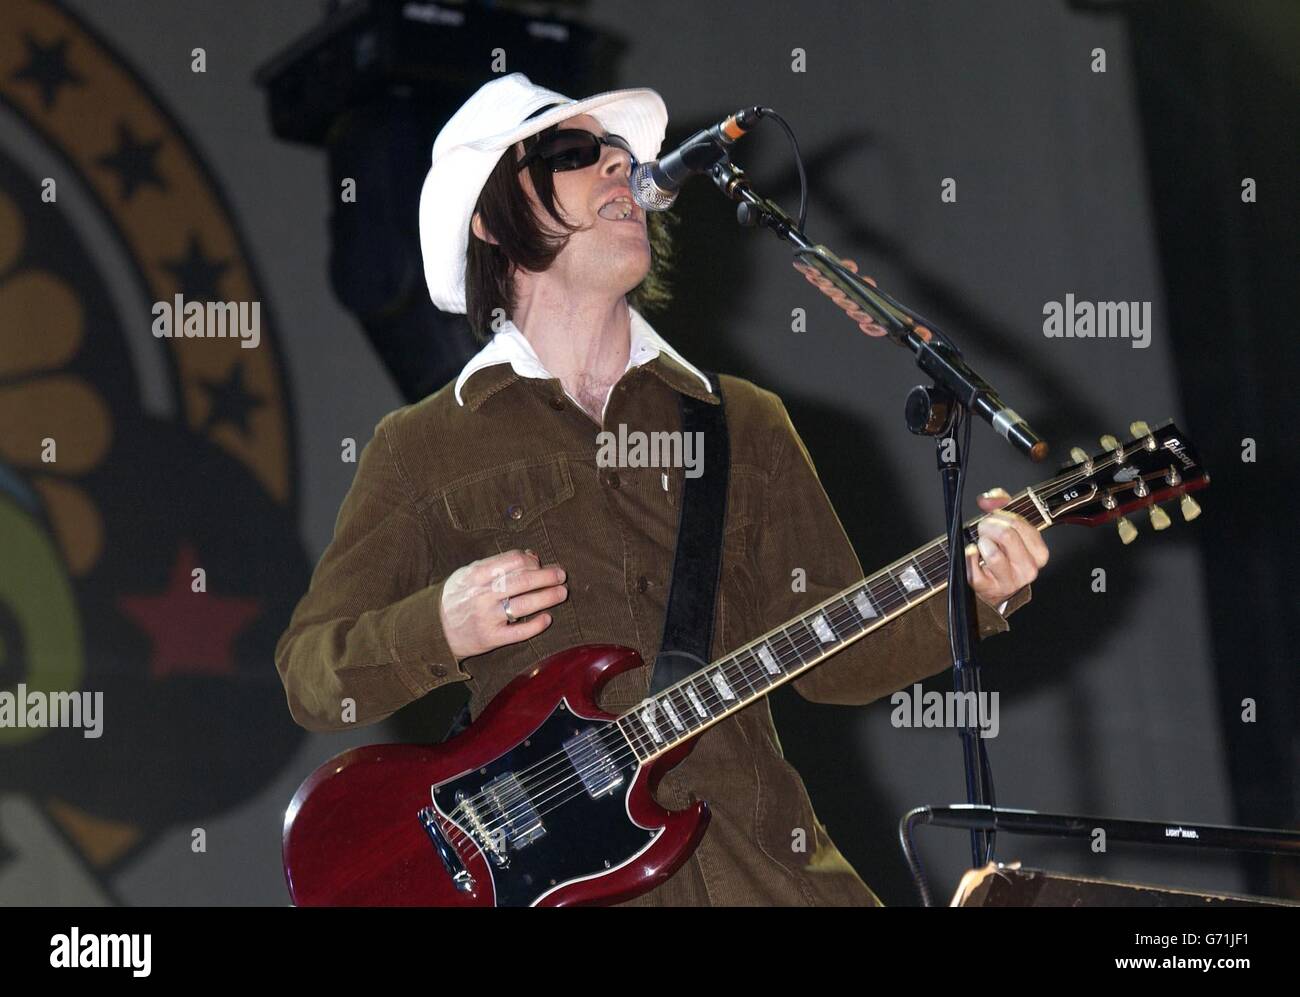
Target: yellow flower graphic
[(41, 329)]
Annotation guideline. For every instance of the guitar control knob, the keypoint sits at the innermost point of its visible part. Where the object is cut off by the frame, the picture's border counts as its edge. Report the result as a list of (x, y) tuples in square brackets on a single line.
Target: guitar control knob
[(1159, 518), (1127, 531), (1190, 508)]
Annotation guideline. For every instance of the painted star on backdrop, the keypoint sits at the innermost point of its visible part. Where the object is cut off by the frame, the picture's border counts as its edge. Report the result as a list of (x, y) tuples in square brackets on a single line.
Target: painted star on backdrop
[(230, 402), (198, 274), (193, 633), (134, 162), (47, 67)]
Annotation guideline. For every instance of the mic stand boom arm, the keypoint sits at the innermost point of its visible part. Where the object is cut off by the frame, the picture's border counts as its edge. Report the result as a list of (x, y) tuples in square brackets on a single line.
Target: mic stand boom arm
[(934, 353)]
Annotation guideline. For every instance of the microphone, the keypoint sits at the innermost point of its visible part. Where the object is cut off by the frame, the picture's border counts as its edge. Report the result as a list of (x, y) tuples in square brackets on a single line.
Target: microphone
[(655, 184)]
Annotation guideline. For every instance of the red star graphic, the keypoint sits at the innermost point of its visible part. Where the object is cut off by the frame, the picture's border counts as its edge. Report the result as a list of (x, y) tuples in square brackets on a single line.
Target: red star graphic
[(192, 632)]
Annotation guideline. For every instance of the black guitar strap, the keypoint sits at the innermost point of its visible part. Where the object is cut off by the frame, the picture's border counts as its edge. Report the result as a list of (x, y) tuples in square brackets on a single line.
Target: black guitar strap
[(697, 562)]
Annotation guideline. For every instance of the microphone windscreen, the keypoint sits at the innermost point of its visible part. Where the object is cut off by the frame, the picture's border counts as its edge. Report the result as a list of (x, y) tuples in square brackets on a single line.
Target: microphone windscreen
[(648, 194)]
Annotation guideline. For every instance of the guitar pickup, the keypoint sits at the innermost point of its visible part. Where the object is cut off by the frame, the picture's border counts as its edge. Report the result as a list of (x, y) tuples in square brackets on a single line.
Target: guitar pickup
[(513, 820), (592, 760)]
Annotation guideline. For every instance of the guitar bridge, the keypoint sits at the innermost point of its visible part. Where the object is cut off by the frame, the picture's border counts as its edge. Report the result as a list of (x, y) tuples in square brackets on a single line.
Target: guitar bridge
[(501, 817), (450, 859)]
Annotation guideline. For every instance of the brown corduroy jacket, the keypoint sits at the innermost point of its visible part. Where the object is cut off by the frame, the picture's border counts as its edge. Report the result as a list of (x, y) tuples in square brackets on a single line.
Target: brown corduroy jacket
[(515, 467)]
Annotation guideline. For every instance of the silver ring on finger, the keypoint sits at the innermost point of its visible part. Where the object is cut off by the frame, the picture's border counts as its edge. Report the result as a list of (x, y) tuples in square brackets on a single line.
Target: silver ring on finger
[(510, 617)]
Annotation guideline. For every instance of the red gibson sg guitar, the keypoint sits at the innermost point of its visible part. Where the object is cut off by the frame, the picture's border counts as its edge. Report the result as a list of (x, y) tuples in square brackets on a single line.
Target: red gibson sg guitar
[(548, 800)]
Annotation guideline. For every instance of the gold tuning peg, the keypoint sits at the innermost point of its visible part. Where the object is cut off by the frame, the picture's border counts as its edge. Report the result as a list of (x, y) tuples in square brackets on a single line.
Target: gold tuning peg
[(1127, 531), (1109, 442), (1078, 455), (1139, 428), (1190, 508), (1159, 518)]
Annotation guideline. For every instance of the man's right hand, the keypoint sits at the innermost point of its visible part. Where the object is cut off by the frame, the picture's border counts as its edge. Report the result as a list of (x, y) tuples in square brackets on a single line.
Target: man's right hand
[(473, 619)]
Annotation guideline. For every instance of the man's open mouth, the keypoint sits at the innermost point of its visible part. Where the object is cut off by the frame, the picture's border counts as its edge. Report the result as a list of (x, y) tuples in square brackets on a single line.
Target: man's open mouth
[(618, 209)]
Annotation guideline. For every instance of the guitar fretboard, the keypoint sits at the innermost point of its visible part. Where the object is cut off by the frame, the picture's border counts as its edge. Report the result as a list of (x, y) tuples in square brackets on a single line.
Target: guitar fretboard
[(681, 711)]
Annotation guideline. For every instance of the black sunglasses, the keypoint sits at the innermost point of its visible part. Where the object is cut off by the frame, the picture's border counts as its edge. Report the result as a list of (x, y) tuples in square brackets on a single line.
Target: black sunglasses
[(572, 149)]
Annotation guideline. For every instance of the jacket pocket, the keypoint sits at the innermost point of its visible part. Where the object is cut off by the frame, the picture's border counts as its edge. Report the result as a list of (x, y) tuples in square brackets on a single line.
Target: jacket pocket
[(511, 498)]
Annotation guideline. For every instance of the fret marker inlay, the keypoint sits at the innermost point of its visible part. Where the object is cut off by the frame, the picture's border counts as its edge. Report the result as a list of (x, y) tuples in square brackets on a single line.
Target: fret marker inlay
[(823, 629), (647, 718), (769, 662), (694, 697), (720, 684), (911, 580), (672, 714), (863, 604)]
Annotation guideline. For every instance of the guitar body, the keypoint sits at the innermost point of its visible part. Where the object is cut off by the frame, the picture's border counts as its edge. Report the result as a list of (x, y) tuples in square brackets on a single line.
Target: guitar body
[(499, 815)]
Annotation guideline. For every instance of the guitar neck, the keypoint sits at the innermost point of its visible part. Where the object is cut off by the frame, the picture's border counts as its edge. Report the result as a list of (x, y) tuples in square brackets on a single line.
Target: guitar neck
[(680, 712)]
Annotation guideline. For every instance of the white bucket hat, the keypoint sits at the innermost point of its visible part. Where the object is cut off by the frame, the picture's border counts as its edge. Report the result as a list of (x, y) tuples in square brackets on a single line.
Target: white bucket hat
[(471, 143)]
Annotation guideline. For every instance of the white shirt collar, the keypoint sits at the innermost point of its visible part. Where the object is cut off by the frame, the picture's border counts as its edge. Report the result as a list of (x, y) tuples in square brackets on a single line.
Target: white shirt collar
[(511, 346)]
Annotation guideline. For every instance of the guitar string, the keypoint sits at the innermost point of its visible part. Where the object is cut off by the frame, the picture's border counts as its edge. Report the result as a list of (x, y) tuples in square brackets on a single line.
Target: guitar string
[(890, 600), (624, 750), (838, 609), (549, 797), (526, 794), (621, 755)]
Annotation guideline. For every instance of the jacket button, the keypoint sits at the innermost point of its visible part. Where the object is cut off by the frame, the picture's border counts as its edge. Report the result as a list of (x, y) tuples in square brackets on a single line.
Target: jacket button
[(642, 584), (557, 403), (438, 671), (515, 512), (611, 479)]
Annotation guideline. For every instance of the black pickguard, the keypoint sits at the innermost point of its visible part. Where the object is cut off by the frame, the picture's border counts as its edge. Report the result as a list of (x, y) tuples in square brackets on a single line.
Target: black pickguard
[(583, 836)]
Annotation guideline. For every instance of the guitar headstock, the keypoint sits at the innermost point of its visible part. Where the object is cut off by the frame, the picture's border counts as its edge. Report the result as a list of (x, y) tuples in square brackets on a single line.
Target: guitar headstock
[(1152, 466)]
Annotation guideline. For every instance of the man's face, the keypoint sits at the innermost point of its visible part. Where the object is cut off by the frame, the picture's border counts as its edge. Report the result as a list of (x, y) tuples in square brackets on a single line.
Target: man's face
[(608, 251)]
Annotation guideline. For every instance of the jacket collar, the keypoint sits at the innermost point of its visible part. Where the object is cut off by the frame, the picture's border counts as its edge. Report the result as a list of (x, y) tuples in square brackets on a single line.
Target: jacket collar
[(509, 356)]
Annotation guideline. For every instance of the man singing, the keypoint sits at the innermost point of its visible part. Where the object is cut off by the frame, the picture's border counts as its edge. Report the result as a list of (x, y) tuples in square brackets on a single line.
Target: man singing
[(481, 534)]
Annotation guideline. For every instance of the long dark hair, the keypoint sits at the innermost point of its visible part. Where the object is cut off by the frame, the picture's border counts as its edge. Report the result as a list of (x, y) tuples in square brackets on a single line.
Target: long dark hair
[(523, 242)]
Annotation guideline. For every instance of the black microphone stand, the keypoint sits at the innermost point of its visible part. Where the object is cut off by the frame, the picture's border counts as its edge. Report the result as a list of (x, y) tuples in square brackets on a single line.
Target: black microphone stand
[(937, 410)]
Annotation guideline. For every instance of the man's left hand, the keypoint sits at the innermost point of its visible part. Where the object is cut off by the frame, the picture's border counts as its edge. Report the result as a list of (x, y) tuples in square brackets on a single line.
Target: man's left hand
[(1010, 551)]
